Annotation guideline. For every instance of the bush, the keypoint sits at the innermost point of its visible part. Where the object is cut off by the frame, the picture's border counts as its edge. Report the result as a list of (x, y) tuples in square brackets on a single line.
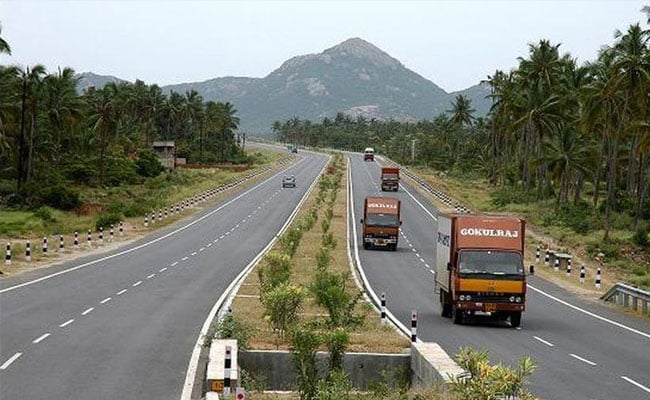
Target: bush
[(304, 344), (291, 240), (488, 382), (337, 342), (275, 271), (80, 171), (329, 241), (505, 195), (640, 237), (59, 196), (44, 213), (329, 289), (282, 305), (581, 217), (107, 219), (148, 165), (120, 170), (232, 328), (323, 258)]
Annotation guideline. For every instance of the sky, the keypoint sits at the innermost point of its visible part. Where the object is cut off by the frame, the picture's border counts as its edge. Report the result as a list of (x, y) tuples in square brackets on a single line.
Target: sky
[(455, 44)]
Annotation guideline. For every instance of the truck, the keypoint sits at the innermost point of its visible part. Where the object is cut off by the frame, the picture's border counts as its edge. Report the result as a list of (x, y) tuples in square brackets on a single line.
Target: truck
[(480, 266), (389, 179), (381, 222), (369, 154)]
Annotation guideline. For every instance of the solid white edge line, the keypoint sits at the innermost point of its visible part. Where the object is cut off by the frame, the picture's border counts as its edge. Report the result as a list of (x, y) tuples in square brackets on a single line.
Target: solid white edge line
[(609, 321), (10, 360), (41, 338), (88, 311), (106, 300), (637, 384), (584, 360), (146, 244), (366, 283), (66, 323), (190, 377), (539, 339)]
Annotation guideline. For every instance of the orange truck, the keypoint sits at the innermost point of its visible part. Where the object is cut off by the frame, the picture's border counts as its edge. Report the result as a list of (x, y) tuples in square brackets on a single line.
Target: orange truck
[(381, 221), (480, 266), (389, 179)]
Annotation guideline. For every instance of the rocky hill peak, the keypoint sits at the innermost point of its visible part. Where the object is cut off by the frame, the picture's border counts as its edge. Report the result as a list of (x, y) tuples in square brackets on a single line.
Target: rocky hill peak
[(362, 49)]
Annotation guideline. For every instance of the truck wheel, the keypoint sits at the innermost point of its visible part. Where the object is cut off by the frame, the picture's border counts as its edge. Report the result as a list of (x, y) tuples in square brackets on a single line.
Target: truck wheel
[(393, 247), (515, 319), (456, 316), (366, 245), (445, 308)]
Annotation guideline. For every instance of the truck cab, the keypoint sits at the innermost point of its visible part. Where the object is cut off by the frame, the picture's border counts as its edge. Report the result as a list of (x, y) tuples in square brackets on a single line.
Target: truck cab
[(389, 179), (369, 154), (381, 222), (480, 267)]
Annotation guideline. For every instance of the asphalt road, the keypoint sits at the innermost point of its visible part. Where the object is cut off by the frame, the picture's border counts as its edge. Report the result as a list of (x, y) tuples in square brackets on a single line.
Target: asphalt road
[(125, 327), (579, 356)]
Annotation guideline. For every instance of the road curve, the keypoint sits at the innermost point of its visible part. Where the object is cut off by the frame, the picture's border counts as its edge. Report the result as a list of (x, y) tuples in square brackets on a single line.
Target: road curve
[(124, 327), (579, 355)]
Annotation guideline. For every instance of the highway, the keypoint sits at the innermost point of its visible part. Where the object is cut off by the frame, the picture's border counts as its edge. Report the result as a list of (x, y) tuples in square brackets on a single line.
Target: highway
[(124, 327), (583, 350)]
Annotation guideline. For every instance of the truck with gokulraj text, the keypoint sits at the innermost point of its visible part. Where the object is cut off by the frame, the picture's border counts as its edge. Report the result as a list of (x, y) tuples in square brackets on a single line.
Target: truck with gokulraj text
[(381, 222), (480, 266)]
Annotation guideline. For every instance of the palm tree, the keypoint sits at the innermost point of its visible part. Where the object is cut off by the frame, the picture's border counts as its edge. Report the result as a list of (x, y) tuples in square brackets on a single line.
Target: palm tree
[(104, 122), (4, 46), (227, 123), (461, 111), (567, 154), (31, 85), (62, 107)]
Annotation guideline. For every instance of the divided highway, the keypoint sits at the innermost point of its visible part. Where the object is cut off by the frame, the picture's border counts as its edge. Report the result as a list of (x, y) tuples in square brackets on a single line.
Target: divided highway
[(125, 326), (583, 350)]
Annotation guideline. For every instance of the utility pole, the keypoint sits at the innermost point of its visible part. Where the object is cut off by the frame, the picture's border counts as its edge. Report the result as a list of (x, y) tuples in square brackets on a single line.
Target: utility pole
[(413, 149)]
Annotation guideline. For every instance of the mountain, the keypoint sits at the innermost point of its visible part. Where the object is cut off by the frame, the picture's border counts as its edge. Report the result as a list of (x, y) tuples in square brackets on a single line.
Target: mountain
[(354, 77), (88, 79), (478, 95)]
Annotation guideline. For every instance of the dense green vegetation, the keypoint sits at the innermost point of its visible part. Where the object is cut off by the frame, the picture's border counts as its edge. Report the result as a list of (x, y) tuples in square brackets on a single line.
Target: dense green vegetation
[(55, 142), (574, 138)]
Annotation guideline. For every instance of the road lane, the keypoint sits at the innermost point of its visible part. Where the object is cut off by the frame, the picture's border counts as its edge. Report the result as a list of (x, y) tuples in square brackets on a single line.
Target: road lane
[(408, 283), (138, 344)]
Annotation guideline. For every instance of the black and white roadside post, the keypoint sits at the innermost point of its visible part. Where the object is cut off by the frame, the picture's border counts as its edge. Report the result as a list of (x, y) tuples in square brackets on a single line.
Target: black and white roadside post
[(8, 255), (582, 274), (568, 267), (61, 246), (90, 239), (121, 228), (227, 366), (383, 308), (44, 247), (165, 212), (76, 240), (28, 252), (146, 220), (414, 326), (598, 278), (159, 215), (101, 235), (153, 218), (112, 234), (556, 264), (547, 258), (537, 255)]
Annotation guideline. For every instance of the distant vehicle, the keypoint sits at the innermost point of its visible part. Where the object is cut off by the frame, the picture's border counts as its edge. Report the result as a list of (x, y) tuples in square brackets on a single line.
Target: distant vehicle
[(292, 148), (479, 266), (369, 154), (389, 179), (289, 181), (381, 222)]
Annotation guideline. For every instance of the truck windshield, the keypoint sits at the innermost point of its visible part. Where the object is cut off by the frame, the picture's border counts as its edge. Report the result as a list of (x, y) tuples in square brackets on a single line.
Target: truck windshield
[(387, 220), (490, 262)]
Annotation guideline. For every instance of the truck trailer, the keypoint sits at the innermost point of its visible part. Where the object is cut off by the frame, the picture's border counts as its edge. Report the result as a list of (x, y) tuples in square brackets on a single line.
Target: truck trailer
[(381, 222), (389, 179), (480, 267)]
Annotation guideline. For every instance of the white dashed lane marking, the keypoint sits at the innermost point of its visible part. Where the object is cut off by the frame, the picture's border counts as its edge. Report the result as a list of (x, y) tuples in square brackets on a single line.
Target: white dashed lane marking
[(174, 264), (10, 361), (121, 292), (137, 283), (184, 258), (637, 384), (41, 338), (88, 311), (162, 269), (539, 339), (66, 323), (106, 300), (193, 253), (584, 360), (151, 276)]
